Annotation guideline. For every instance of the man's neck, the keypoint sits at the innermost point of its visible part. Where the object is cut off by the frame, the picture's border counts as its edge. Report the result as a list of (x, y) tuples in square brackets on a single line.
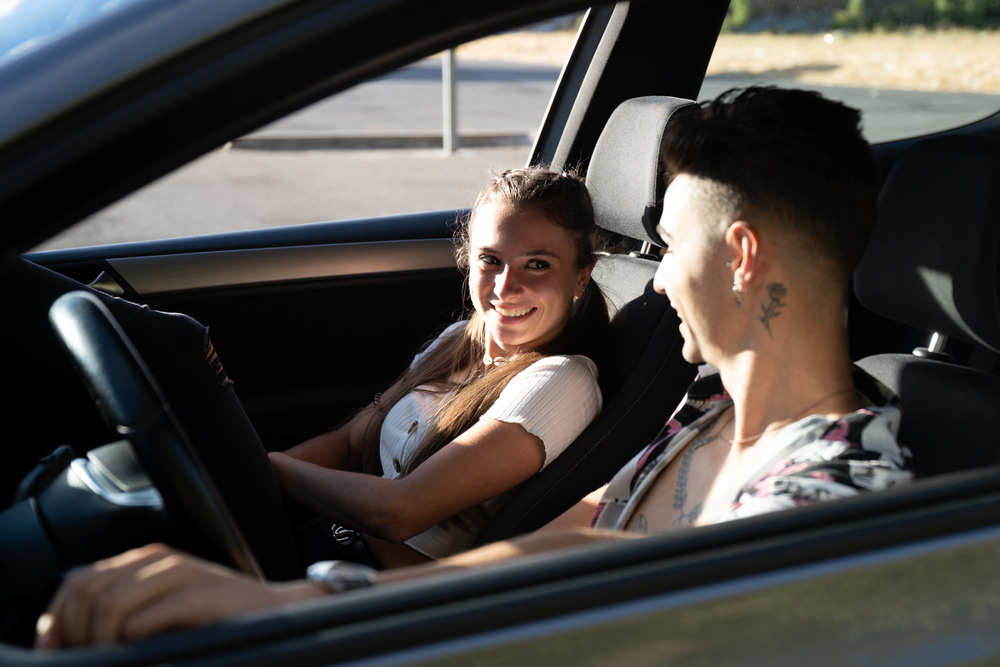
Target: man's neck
[(777, 381)]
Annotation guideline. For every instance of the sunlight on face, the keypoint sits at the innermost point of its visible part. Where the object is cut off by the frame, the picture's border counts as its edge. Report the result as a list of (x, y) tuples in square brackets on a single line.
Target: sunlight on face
[(691, 272), (523, 277)]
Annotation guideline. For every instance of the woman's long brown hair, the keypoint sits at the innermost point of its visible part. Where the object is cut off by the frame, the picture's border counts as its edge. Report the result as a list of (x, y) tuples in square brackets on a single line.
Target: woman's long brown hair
[(455, 363)]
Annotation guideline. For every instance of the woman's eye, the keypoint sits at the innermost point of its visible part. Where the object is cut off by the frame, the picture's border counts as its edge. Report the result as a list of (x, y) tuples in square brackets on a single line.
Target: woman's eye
[(488, 259), (538, 264)]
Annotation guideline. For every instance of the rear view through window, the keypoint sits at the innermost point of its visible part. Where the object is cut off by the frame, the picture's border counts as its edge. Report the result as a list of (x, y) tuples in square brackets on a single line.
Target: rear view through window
[(912, 66), (374, 149)]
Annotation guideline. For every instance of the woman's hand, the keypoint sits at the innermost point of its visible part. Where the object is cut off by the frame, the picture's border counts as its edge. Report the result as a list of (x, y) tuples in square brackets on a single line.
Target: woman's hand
[(152, 589)]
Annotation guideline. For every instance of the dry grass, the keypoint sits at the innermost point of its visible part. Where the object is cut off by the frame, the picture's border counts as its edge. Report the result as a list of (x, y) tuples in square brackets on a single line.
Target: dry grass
[(539, 48), (953, 60)]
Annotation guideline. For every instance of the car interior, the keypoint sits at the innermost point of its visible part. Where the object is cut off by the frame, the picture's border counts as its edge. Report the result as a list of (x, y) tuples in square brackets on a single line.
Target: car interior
[(267, 297)]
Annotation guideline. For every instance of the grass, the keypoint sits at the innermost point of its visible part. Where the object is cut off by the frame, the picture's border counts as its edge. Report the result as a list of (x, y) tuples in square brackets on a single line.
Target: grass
[(957, 60)]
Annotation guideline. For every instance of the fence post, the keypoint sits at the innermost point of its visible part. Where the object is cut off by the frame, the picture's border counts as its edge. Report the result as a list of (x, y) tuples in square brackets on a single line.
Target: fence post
[(449, 106)]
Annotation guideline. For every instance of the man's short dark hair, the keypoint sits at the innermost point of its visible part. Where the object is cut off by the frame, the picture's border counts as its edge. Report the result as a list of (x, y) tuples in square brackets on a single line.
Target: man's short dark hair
[(788, 156)]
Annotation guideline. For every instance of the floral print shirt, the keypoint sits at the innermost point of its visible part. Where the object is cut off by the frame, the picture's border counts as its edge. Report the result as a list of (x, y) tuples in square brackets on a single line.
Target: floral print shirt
[(808, 461)]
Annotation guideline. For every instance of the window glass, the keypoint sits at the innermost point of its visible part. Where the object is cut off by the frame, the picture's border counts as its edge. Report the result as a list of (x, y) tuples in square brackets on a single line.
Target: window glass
[(372, 150), (912, 66), (27, 24)]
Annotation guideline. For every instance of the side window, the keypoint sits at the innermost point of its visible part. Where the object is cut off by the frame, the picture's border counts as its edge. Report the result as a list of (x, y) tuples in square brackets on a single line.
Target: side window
[(913, 67), (375, 149)]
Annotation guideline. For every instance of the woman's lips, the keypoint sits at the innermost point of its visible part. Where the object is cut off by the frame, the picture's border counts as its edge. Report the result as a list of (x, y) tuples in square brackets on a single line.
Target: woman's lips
[(513, 312), (513, 315)]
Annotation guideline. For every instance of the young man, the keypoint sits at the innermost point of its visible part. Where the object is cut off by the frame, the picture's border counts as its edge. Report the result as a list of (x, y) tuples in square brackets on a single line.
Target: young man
[(770, 204)]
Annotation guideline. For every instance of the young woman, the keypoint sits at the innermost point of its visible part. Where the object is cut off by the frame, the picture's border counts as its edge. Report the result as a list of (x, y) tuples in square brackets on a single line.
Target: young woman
[(490, 402)]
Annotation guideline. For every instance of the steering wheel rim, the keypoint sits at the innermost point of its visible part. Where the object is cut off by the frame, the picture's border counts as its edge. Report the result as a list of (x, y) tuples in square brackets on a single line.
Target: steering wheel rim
[(132, 403)]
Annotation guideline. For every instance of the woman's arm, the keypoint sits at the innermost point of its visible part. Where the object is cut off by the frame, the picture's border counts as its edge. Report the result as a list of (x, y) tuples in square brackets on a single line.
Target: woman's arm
[(490, 458), (556, 397)]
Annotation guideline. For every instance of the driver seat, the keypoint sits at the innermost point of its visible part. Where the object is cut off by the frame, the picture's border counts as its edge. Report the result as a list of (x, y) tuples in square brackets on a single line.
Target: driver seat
[(642, 374)]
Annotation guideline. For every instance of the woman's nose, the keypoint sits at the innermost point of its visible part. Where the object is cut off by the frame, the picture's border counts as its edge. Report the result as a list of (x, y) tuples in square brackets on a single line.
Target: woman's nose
[(508, 284)]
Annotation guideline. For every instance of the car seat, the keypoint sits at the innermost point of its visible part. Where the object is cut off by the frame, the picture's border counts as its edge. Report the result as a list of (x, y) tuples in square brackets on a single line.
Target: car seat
[(932, 263), (642, 374)]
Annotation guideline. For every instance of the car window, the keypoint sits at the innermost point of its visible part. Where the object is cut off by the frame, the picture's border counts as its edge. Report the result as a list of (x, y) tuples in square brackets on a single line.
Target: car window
[(375, 149), (912, 67), (27, 24)]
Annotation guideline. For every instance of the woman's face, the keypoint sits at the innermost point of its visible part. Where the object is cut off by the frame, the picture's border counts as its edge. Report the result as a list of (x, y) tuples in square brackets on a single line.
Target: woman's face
[(522, 276)]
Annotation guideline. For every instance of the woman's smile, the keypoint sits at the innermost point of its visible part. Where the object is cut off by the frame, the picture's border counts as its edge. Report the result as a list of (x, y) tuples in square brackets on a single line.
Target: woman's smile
[(513, 313)]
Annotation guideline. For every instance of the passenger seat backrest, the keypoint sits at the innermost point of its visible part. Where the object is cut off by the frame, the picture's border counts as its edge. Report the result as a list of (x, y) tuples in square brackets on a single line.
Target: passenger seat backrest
[(643, 375), (932, 263)]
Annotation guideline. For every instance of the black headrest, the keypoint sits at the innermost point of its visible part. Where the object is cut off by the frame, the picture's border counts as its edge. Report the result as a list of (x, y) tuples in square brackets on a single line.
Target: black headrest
[(624, 175), (933, 258)]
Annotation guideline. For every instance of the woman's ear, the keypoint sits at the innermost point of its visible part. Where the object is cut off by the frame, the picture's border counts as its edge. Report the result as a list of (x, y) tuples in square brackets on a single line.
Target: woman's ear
[(744, 244), (584, 278)]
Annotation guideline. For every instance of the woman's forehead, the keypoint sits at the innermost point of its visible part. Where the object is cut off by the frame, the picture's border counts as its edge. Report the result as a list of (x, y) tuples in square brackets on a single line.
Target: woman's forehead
[(521, 226)]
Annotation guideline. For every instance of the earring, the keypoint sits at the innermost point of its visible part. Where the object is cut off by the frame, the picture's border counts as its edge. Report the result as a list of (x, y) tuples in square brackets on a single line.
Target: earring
[(738, 290), (728, 264)]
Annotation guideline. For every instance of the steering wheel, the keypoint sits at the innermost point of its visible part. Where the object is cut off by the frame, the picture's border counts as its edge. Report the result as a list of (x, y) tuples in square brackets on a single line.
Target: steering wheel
[(132, 403)]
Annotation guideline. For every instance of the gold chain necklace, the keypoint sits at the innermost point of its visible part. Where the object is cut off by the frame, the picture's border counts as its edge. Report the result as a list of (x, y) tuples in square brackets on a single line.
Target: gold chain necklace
[(786, 422)]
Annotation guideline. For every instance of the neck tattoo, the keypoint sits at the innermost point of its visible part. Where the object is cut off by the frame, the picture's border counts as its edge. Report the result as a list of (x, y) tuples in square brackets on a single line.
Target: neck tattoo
[(777, 292)]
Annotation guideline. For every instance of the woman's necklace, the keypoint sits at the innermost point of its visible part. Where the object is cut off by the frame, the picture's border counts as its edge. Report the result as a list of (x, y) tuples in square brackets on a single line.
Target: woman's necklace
[(784, 423)]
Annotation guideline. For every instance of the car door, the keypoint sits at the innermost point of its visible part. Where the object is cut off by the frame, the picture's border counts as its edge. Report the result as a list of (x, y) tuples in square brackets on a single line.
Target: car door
[(308, 320)]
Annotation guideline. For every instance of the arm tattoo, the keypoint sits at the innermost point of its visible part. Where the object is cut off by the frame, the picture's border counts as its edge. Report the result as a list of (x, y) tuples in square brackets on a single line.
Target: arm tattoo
[(777, 292), (641, 526)]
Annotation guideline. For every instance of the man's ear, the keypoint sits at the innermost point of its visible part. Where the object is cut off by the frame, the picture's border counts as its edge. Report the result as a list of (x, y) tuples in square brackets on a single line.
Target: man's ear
[(744, 244), (584, 278)]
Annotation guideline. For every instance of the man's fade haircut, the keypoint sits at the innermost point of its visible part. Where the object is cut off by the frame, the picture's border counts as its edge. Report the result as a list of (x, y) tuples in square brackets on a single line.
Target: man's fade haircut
[(787, 156)]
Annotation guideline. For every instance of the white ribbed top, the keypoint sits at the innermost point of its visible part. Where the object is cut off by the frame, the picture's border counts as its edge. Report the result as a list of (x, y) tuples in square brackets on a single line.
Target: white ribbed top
[(555, 399)]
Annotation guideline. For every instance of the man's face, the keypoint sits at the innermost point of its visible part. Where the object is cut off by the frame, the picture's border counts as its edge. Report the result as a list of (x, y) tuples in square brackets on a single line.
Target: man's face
[(693, 272)]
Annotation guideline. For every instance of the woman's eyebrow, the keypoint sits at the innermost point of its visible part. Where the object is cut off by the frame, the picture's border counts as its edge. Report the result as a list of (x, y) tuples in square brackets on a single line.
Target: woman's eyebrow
[(541, 252)]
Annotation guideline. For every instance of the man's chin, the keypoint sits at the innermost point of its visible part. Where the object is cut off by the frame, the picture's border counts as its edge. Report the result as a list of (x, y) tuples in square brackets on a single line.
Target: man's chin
[(692, 354)]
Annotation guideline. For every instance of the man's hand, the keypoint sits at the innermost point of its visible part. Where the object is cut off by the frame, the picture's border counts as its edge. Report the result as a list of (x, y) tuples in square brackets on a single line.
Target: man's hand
[(152, 589)]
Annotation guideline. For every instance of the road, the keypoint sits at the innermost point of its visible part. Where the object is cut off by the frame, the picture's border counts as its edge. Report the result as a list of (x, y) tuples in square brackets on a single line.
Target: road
[(246, 189)]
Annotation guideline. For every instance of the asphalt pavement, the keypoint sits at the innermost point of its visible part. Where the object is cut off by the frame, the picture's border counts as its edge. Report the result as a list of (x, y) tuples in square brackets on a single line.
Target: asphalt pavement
[(368, 151), (293, 172)]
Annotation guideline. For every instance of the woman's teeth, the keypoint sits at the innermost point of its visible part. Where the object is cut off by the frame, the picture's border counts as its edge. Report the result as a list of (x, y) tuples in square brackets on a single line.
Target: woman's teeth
[(513, 313)]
